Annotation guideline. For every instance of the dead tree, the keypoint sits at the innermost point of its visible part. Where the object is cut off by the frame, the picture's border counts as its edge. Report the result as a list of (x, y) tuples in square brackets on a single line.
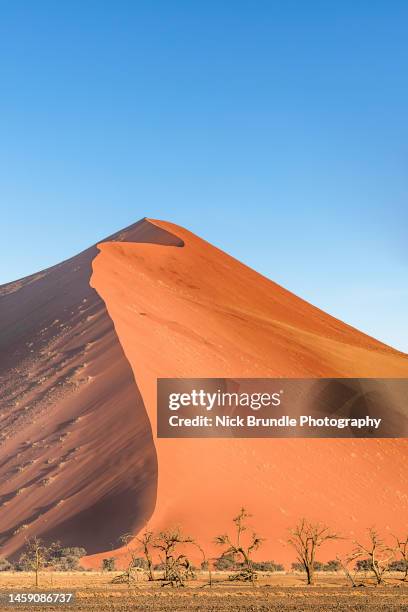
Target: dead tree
[(401, 549), (146, 541), (205, 564), (129, 576), (379, 554), (133, 571), (306, 538), (344, 564), (177, 567), (35, 557), (236, 548)]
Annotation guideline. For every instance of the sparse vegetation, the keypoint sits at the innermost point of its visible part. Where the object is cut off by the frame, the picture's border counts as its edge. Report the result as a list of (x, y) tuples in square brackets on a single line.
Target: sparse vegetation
[(363, 565), (133, 569), (228, 562), (108, 564), (350, 574), (401, 549), (64, 559), (236, 549), (177, 567), (146, 541), (37, 557), (379, 555), (306, 538), (331, 566), (5, 565), (34, 558), (163, 560), (399, 565)]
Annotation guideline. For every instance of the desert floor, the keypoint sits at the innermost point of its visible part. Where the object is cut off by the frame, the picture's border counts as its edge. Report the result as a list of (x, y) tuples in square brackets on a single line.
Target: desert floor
[(94, 591)]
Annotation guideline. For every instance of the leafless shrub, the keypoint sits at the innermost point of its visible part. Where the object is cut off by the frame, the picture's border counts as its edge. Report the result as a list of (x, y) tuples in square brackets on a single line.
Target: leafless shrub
[(236, 548), (133, 570), (401, 549), (306, 538), (378, 553), (177, 567)]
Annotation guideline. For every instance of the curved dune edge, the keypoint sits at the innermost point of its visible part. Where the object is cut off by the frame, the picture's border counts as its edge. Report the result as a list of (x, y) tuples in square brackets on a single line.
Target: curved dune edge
[(197, 312), (75, 440), (65, 382)]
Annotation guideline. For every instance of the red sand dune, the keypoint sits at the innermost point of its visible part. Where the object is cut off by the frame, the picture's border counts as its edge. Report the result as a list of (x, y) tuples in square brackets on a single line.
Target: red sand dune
[(180, 308), (196, 312)]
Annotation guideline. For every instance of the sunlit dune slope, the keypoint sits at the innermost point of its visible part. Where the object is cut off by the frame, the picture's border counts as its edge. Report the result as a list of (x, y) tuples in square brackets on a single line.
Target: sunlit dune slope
[(194, 311)]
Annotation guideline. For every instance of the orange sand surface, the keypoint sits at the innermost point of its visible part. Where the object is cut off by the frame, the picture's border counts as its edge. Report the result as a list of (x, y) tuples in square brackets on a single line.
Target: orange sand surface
[(187, 309)]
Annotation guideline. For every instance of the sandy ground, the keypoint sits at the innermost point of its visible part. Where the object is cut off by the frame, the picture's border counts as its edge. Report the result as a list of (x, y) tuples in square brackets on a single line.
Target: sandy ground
[(275, 592)]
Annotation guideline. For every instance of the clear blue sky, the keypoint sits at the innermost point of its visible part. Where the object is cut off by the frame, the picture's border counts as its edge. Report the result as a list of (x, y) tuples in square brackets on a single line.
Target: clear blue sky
[(277, 130)]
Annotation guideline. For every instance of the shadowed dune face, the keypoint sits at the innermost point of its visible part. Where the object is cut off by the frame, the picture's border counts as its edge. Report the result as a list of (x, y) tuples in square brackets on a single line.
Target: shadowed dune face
[(196, 312), (77, 460)]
